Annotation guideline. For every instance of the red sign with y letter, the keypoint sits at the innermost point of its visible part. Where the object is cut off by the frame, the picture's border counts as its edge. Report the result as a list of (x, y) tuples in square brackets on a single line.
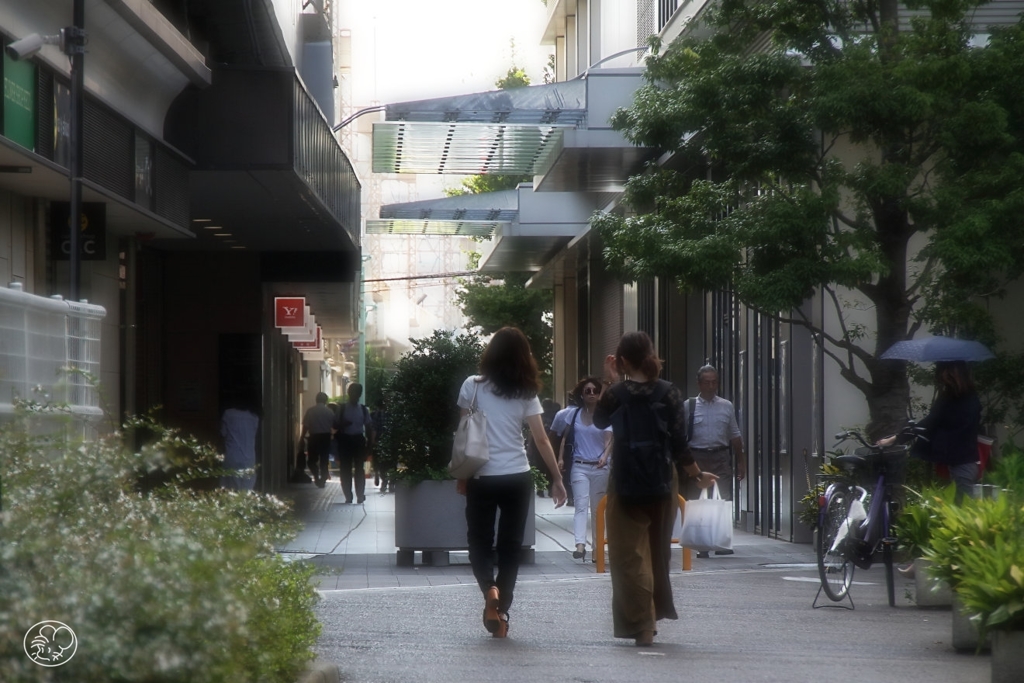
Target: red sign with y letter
[(289, 311)]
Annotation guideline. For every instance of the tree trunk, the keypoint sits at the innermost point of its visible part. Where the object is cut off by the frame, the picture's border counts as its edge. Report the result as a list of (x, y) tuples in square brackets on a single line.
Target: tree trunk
[(887, 407), (889, 399)]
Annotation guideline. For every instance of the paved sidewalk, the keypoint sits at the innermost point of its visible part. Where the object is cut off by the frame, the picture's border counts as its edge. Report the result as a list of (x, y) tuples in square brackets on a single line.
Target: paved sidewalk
[(355, 545), (744, 618)]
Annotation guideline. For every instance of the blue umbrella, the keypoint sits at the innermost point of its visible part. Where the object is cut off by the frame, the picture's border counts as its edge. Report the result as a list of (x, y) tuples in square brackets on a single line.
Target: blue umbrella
[(937, 349)]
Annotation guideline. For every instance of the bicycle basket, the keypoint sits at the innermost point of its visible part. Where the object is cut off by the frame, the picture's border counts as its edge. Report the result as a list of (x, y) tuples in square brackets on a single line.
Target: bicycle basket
[(892, 460)]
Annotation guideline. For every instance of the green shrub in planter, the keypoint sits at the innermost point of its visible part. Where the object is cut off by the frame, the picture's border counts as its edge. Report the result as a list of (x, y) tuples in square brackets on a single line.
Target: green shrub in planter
[(990, 564), (810, 505), (955, 527), (1007, 471), (421, 399), (921, 513), (159, 580)]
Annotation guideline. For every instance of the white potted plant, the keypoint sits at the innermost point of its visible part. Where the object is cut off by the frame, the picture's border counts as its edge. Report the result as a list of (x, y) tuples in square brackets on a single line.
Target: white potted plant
[(422, 416)]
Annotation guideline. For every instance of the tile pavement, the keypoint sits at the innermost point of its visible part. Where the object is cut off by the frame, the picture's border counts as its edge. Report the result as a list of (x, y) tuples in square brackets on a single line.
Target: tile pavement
[(353, 545)]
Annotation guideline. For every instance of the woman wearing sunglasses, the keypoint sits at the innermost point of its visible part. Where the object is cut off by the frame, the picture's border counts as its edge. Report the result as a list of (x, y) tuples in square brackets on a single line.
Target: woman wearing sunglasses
[(586, 450)]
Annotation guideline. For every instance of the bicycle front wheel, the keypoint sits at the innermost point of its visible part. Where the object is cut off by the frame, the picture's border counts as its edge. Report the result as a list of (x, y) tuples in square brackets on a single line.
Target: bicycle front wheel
[(834, 569)]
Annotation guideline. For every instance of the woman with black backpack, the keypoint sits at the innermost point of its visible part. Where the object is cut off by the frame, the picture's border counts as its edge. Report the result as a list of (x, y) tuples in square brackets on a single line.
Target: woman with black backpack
[(648, 446)]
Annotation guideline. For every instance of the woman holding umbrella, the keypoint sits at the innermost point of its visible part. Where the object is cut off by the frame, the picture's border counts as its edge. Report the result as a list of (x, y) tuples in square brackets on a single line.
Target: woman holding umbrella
[(952, 425)]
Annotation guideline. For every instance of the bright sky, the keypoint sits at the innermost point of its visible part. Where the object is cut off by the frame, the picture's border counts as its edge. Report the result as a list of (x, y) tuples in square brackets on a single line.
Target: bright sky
[(419, 49)]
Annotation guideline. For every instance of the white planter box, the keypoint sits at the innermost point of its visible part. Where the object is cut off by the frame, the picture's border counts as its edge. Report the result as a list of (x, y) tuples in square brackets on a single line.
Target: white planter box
[(965, 632), (431, 516), (1007, 664), (929, 592)]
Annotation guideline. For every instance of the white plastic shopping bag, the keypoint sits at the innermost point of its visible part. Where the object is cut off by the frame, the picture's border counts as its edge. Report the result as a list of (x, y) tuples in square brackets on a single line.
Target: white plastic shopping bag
[(707, 522)]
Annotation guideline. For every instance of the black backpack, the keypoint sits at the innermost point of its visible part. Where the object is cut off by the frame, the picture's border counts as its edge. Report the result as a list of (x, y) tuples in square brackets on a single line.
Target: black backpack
[(642, 462)]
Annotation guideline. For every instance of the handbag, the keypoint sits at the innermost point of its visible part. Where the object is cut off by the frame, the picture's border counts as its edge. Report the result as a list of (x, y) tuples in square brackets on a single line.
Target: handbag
[(469, 450), (707, 522), (567, 447)]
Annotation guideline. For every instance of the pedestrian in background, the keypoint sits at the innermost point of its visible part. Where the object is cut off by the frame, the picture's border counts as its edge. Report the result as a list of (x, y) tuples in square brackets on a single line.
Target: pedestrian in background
[(640, 521), (332, 451), (378, 417), (317, 424), (506, 392), (555, 431), (354, 431), (584, 450), (238, 426), (952, 425), (714, 439)]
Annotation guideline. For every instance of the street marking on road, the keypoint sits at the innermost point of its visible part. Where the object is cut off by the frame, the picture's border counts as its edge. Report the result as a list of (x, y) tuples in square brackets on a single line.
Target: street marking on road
[(651, 654), (811, 579)]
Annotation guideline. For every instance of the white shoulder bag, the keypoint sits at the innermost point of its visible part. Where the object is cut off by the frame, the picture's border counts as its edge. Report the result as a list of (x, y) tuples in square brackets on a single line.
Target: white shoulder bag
[(469, 451)]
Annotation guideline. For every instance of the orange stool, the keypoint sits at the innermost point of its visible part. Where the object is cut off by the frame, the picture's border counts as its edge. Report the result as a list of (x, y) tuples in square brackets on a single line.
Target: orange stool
[(599, 534)]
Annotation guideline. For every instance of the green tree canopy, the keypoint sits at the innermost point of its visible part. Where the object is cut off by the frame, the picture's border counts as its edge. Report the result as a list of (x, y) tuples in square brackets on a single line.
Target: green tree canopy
[(493, 303), (853, 153)]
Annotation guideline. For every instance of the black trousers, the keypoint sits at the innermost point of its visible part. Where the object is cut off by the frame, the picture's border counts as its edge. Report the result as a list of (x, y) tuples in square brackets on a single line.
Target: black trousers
[(319, 448), (351, 456), (507, 498)]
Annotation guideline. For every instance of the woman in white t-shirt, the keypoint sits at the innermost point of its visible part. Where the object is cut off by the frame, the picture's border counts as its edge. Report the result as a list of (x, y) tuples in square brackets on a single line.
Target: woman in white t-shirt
[(506, 392), (584, 450)]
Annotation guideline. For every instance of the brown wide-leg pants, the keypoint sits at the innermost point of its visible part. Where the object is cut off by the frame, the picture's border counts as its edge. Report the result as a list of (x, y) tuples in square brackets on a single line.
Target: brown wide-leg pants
[(639, 548)]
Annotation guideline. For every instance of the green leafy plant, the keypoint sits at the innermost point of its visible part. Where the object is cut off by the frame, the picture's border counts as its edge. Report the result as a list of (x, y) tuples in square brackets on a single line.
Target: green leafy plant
[(1008, 470), (540, 480), (918, 517), (491, 303), (160, 579), (972, 523), (421, 398), (989, 562), (809, 504)]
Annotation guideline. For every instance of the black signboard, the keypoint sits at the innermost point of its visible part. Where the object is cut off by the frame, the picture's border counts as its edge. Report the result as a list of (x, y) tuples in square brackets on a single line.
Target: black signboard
[(92, 238)]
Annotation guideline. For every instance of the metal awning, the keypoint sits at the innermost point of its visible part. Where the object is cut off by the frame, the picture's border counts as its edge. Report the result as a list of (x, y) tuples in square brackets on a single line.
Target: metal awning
[(461, 148), (560, 133), (561, 104), (526, 228), (477, 215), (503, 131), (433, 227)]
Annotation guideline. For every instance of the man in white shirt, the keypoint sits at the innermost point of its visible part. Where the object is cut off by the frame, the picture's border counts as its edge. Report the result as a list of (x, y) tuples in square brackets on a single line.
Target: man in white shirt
[(714, 438), (317, 426)]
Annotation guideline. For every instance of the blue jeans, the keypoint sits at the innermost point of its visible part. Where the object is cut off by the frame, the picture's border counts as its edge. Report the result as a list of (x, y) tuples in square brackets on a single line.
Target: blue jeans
[(965, 477)]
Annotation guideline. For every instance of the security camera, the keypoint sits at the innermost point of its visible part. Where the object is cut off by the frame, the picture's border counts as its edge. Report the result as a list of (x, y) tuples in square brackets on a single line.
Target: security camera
[(29, 45)]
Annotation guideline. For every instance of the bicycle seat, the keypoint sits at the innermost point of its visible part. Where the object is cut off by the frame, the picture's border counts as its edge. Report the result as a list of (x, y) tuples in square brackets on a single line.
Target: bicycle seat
[(856, 459)]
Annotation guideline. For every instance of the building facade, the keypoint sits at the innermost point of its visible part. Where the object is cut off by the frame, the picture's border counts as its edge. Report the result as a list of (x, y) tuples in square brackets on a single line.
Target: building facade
[(213, 183), (789, 397)]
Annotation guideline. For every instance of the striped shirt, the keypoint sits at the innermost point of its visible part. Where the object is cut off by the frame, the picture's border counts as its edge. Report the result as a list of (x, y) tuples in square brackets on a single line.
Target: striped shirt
[(714, 423)]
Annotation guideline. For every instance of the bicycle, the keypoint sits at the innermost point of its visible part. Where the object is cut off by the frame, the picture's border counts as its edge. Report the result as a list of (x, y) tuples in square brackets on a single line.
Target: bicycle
[(853, 524)]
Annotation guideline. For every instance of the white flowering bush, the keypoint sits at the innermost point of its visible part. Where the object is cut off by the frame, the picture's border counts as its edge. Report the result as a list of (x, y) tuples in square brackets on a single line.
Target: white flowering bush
[(159, 579)]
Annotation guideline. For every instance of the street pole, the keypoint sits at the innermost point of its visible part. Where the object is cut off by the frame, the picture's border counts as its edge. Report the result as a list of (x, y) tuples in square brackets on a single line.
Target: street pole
[(362, 325), (75, 49)]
